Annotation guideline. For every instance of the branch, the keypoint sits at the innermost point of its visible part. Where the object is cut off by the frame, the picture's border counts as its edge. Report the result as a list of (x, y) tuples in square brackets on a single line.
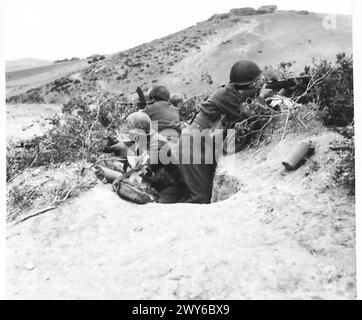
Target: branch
[(285, 127), (37, 213), (259, 130), (91, 127), (312, 83)]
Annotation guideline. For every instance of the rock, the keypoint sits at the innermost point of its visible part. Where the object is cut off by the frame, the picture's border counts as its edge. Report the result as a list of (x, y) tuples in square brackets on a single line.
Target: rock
[(30, 266), (247, 11), (267, 9), (224, 186)]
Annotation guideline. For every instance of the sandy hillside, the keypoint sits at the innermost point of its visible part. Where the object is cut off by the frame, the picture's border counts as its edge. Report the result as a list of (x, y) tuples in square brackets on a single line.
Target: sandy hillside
[(26, 63), (282, 235), (267, 40), (199, 58), (22, 80)]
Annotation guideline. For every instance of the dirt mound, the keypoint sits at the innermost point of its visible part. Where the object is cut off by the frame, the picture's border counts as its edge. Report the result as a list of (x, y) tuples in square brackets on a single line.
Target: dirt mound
[(36, 189), (26, 63), (97, 245), (281, 235)]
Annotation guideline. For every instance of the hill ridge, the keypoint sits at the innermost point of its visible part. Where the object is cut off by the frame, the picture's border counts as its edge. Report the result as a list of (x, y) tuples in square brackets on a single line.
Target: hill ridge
[(198, 58)]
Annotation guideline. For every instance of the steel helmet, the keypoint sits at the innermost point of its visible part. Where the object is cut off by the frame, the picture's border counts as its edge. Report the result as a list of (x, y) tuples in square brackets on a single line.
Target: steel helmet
[(138, 124), (244, 72), (160, 93)]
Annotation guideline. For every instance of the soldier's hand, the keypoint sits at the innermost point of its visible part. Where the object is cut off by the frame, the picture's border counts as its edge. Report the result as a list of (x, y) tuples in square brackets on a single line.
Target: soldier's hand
[(265, 93), (119, 149), (115, 184)]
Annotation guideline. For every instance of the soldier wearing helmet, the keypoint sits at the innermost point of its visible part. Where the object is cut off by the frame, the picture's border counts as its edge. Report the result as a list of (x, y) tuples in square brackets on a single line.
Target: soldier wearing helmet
[(159, 93), (137, 131), (243, 73), (141, 139), (138, 126), (224, 104), (162, 112)]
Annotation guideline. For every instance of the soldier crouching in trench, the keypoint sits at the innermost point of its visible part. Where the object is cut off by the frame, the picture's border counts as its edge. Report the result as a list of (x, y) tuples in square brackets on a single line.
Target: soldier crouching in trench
[(164, 116), (163, 175), (199, 168), (164, 113)]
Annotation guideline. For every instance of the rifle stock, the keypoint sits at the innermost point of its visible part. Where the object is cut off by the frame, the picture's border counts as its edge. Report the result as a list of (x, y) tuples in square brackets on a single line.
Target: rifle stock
[(142, 99)]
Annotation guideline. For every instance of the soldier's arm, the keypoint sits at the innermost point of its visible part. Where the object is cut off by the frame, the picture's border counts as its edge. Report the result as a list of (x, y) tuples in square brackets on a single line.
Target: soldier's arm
[(265, 93)]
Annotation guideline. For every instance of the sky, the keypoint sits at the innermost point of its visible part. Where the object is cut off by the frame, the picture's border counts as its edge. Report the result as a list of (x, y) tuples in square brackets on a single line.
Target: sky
[(57, 29)]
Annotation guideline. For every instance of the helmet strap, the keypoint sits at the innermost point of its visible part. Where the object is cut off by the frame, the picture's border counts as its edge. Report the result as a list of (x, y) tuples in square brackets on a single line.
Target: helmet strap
[(240, 87)]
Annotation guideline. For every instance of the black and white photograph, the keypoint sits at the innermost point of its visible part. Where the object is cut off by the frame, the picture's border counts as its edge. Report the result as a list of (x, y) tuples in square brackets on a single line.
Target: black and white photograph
[(179, 150)]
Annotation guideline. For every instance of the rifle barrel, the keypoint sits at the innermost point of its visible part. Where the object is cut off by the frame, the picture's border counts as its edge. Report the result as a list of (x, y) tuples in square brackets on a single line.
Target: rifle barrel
[(127, 104), (288, 83)]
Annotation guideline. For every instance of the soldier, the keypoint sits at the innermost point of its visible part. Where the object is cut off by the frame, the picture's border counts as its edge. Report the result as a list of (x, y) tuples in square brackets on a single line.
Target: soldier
[(162, 112), (164, 177), (224, 103), (164, 116)]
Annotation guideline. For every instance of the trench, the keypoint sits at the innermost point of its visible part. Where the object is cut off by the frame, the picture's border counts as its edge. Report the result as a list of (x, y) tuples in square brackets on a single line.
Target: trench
[(224, 186)]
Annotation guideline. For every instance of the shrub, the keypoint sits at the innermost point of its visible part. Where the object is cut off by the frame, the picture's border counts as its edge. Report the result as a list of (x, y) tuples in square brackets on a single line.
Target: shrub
[(77, 134), (344, 174), (30, 96), (251, 130), (242, 11), (283, 71), (39, 187), (95, 58), (334, 94), (190, 106)]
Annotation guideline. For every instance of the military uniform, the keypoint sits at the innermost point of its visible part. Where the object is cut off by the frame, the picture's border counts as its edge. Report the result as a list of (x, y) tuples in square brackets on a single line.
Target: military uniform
[(165, 178), (162, 112), (166, 116)]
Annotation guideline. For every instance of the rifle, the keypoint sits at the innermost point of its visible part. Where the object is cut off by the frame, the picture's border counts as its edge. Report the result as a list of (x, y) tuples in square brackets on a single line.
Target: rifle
[(194, 116), (295, 82), (275, 84)]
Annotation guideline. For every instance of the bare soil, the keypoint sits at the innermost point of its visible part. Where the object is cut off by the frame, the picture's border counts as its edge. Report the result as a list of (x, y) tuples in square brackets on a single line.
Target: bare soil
[(271, 234), (283, 235)]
